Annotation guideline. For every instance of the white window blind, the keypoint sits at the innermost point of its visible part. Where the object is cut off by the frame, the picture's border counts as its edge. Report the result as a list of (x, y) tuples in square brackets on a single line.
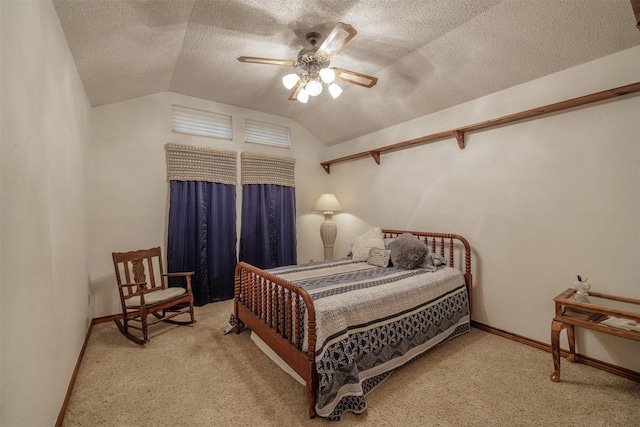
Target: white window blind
[(266, 133), (202, 123)]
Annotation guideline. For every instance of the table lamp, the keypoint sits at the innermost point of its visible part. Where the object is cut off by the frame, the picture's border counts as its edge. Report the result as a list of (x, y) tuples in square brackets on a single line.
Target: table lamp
[(328, 203)]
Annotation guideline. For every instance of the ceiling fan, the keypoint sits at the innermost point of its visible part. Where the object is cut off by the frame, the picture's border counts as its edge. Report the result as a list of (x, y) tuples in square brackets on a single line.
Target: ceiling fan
[(313, 64)]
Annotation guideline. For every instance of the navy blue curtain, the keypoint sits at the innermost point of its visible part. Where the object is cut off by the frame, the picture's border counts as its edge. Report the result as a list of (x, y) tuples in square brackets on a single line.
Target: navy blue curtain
[(202, 237), (268, 235)]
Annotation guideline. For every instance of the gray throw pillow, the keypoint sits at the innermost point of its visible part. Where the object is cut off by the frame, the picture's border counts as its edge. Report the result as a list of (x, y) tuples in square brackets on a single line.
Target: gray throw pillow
[(407, 251)]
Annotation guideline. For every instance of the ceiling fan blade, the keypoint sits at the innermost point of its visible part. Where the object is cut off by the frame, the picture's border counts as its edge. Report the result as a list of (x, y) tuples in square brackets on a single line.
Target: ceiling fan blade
[(293, 96), (355, 78), (268, 61), (336, 40)]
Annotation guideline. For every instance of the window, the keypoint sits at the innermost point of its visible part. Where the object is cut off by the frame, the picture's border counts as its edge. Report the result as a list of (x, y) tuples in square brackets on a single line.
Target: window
[(267, 134), (201, 123)]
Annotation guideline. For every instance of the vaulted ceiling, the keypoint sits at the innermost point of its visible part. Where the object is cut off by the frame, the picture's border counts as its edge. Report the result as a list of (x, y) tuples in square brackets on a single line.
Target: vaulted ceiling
[(427, 54)]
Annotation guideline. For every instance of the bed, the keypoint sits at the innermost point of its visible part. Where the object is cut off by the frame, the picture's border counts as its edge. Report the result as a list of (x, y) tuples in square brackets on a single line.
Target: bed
[(344, 325)]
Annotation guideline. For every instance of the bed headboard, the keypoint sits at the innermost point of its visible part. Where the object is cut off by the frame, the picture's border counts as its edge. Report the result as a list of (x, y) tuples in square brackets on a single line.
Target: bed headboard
[(447, 245)]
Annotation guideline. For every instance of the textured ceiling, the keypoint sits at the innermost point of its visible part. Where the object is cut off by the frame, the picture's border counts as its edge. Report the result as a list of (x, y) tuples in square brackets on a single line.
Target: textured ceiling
[(427, 54)]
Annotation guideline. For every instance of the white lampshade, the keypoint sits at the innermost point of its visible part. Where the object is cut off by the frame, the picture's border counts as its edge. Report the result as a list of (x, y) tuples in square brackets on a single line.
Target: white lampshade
[(290, 80), (303, 96), (314, 87), (327, 203), (335, 90), (327, 75)]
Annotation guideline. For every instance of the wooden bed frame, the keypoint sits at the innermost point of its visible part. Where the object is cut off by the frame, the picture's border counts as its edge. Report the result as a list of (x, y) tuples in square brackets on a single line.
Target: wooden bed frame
[(259, 300)]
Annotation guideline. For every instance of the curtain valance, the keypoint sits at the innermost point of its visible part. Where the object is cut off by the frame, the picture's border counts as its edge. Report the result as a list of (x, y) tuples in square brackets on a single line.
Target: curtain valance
[(263, 169), (190, 163)]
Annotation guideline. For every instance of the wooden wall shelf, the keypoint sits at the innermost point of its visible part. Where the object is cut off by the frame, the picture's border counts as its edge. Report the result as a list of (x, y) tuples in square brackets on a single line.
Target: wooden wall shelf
[(459, 133)]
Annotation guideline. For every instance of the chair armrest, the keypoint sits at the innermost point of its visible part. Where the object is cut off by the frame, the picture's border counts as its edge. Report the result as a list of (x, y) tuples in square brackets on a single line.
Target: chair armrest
[(186, 274)]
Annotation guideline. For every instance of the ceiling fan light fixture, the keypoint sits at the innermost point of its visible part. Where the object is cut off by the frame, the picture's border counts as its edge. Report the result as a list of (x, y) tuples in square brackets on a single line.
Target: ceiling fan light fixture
[(327, 75), (303, 96), (313, 87), (313, 66), (335, 90), (290, 80)]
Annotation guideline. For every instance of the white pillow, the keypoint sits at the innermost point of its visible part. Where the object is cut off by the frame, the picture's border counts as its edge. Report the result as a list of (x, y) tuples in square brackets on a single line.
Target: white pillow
[(362, 244)]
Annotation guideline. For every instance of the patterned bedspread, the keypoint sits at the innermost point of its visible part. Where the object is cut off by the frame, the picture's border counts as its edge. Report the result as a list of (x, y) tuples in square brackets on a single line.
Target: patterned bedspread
[(370, 320)]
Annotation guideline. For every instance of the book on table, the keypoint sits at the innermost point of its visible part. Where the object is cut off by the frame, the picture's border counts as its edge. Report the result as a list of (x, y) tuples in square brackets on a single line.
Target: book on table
[(616, 322), (581, 314)]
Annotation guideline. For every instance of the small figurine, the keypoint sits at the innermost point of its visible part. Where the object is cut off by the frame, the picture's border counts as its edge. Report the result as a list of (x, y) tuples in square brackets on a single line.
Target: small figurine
[(582, 285)]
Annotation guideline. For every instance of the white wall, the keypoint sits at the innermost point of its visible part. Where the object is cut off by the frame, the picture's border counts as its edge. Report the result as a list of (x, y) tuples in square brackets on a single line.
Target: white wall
[(540, 201), (43, 233), (129, 189)]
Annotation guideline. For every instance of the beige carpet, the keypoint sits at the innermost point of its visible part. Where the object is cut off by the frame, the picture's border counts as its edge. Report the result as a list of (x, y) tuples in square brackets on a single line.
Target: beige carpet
[(196, 376)]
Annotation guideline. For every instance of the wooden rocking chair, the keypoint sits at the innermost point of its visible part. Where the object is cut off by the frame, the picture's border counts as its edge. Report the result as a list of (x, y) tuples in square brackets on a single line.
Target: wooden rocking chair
[(141, 297)]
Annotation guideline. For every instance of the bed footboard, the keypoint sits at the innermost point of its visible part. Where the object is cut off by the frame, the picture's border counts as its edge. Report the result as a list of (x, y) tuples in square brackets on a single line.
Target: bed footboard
[(277, 310)]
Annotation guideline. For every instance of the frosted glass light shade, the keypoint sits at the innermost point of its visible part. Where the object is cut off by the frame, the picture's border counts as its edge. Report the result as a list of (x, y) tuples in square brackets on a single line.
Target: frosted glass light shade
[(327, 75), (327, 203), (303, 96), (313, 88), (290, 80), (335, 90)]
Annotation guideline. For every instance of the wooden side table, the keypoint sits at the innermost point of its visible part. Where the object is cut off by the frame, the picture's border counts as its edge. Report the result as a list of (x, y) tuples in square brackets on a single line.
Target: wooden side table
[(599, 312)]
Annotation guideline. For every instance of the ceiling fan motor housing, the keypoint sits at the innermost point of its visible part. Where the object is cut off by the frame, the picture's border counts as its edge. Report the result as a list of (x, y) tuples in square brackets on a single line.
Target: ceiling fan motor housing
[(309, 62)]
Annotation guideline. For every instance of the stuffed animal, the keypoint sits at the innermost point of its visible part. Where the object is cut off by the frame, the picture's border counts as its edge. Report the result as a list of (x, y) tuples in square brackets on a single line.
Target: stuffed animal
[(407, 251), (433, 262)]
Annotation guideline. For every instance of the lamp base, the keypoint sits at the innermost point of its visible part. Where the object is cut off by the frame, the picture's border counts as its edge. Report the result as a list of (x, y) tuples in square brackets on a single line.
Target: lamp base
[(328, 252), (328, 232)]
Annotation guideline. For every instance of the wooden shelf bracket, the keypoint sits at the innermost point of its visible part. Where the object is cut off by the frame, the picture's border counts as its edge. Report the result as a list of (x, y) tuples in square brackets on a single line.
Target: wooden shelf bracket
[(375, 155), (459, 134)]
